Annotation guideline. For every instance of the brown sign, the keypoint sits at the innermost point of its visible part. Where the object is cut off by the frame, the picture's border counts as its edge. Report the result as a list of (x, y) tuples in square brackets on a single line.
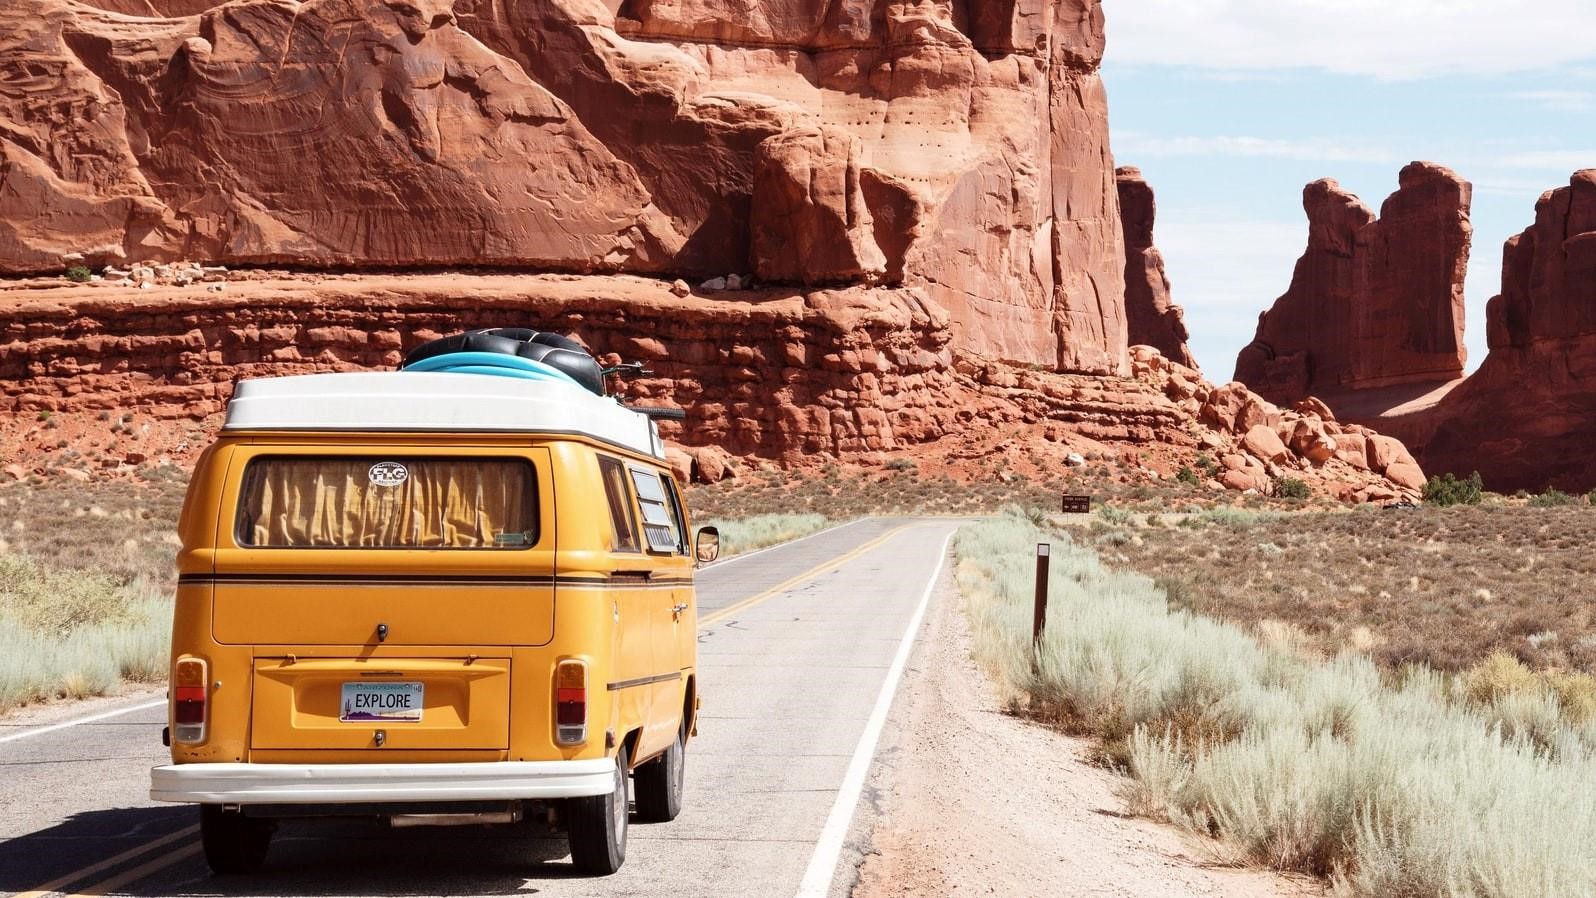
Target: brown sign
[(1077, 504)]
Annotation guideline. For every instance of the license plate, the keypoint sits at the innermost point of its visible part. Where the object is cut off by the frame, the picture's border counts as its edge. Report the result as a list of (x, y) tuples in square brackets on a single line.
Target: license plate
[(382, 703)]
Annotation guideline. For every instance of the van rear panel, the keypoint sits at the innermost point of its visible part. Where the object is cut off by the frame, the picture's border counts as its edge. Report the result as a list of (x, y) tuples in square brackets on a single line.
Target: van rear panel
[(416, 703)]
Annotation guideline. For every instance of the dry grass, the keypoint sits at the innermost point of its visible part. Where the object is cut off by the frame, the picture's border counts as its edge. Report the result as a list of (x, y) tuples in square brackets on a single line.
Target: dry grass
[(1444, 587), (759, 531), (86, 578), (70, 633), (126, 531)]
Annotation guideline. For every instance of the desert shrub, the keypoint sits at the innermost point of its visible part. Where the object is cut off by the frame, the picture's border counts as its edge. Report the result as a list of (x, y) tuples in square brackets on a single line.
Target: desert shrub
[(1552, 498), (1536, 704), (79, 274), (1448, 490), (1231, 516), (1207, 465), (66, 633), (1112, 515), (759, 531), (901, 464), (1292, 488), (1388, 788), (1188, 476)]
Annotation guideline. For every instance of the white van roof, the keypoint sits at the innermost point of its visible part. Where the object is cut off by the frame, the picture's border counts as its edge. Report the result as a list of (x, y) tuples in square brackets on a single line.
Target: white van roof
[(408, 401)]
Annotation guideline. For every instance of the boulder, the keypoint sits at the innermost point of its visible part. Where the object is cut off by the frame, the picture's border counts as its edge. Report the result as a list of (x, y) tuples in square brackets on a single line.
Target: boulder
[(1352, 448), (1264, 444), (681, 463), (1406, 475), (1309, 440), (1386, 451), (712, 463), (1240, 481)]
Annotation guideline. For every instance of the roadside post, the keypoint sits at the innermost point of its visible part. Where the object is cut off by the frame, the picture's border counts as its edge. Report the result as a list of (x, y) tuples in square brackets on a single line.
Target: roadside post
[(1043, 551)]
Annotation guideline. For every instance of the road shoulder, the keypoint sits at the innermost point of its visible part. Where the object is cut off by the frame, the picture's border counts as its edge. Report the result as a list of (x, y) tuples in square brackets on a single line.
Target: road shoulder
[(972, 801)]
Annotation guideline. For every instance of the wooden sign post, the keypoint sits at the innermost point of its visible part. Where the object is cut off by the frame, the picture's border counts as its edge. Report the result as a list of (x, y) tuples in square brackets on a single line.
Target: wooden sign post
[(1077, 504), (1039, 621)]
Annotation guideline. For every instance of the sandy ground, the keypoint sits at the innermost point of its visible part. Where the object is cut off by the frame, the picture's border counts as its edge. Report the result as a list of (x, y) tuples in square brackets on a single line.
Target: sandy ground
[(975, 802)]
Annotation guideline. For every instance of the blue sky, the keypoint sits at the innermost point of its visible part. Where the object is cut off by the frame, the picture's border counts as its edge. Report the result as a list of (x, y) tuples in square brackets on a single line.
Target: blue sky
[(1230, 106)]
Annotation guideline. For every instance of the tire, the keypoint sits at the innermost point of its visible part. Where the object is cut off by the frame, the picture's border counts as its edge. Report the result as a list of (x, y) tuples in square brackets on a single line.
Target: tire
[(561, 353), (658, 784), (233, 843), (596, 826)]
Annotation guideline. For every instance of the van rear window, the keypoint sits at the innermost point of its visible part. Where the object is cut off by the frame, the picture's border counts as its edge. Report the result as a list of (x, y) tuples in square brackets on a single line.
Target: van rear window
[(388, 503)]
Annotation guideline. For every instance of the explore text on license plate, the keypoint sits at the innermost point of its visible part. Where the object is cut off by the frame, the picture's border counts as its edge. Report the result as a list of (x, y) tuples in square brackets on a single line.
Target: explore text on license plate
[(381, 703)]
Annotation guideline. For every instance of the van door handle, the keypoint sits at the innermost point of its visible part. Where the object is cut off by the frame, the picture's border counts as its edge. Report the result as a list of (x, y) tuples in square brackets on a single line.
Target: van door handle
[(678, 609)]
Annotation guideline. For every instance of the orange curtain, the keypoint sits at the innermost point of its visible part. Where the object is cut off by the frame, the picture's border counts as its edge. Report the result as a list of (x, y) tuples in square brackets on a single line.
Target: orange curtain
[(440, 503)]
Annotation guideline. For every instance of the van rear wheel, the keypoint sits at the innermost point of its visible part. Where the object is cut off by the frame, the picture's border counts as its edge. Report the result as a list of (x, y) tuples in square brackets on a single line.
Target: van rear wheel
[(233, 843), (597, 826), (659, 782)]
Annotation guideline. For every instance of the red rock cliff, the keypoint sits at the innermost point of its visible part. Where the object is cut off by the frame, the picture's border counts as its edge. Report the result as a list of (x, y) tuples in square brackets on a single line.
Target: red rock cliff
[(955, 146), (1527, 418), (1374, 302), (1151, 317)]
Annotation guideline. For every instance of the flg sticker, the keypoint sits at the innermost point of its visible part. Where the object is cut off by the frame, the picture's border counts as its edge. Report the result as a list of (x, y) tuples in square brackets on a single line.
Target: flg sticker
[(388, 473)]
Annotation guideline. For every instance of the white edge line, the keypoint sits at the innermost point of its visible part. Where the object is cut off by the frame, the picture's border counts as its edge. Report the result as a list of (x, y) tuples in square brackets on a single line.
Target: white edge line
[(40, 731), (828, 850), (791, 542)]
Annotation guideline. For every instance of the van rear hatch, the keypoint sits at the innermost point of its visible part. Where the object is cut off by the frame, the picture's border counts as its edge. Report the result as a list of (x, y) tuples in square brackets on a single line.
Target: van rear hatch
[(352, 573)]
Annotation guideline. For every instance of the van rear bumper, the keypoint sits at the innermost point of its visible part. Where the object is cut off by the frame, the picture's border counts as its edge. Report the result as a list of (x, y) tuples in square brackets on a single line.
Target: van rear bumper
[(332, 783)]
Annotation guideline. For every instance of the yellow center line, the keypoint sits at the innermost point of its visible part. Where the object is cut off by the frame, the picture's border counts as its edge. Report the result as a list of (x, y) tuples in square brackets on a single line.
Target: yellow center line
[(139, 872), (816, 571), (74, 876), (143, 870)]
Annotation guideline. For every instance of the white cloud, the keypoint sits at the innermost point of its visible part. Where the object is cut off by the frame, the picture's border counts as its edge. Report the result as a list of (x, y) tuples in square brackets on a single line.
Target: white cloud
[(1557, 100), (1136, 145), (1496, 165), (1550, 160), (1394, 39)]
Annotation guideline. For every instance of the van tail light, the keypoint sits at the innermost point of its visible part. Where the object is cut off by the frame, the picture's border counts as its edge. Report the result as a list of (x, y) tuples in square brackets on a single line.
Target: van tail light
[(570, 702), (190, 700)]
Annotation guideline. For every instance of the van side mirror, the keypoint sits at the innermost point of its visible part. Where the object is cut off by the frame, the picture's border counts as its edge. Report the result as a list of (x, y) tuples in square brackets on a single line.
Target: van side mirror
[(706, 546)]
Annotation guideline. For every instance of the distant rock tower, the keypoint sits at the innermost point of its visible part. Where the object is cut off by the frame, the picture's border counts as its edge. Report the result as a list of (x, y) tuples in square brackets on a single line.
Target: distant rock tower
[(1374, 302), (1151, 318)]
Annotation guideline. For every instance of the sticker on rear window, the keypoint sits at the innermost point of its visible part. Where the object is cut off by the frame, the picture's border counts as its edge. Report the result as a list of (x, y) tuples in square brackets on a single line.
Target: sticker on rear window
[(387, 473)]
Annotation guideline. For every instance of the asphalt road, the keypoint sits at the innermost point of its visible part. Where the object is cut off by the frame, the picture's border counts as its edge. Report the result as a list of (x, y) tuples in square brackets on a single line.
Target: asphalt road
[(796, 644)]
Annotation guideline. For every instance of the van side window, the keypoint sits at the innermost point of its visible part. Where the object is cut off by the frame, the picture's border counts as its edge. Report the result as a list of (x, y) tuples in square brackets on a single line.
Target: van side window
[(659, 525), (625, 526), (677, 512)]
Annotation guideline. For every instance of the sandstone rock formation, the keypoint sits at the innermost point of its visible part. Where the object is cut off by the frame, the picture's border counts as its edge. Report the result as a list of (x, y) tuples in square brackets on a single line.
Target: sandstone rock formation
[(1374, 302), (953, 146), (785, 375), (1527, 418), (1151, 318)]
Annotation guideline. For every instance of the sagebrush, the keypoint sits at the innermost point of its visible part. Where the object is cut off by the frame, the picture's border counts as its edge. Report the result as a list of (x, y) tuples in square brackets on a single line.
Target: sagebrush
[(1387, 786)]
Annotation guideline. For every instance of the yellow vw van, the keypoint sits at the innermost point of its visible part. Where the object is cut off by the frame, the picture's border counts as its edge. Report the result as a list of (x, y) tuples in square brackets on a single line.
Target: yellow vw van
[(432, 597)]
